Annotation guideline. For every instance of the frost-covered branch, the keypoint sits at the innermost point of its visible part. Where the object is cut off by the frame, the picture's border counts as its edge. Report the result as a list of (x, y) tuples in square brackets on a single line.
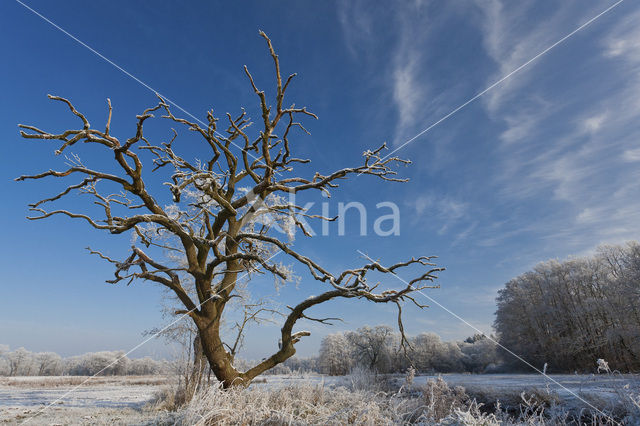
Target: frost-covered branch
[(219, 226)]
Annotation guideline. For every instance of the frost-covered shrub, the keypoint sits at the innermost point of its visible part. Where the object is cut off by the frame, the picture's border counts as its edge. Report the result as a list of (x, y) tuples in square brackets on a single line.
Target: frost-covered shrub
[(436, 403), (363, 379), (627, 403), (301, 404), (441, 399), (409, 376)]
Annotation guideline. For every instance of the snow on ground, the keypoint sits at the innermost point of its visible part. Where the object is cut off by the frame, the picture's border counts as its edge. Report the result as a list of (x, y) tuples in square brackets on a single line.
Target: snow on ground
[(118, 396), (124, 400), (567, 386), (62, 400)]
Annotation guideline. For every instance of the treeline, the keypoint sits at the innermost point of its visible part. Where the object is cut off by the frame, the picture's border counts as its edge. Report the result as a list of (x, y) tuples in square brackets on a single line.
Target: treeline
[(22, 362), (378, 348), (569, 314)]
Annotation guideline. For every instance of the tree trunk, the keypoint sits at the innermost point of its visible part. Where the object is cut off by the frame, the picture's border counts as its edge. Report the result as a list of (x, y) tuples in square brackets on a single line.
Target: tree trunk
[(219, 359)]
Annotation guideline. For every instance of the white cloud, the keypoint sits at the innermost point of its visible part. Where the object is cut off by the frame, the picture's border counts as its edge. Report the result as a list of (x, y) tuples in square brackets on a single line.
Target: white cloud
[(357, 25), (444, 212), (591, 215), (593, 124), (523, 123), (570, 134), (510, 42), (444, 207), (631, 155), (624, 40), (464, 234), (573, 152), (408, 91), (406, 80), (512, 37)]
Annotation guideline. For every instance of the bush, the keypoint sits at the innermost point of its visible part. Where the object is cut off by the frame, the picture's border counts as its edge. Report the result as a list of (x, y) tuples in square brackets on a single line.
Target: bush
[(361, 403), (300, 404), (442, 400)]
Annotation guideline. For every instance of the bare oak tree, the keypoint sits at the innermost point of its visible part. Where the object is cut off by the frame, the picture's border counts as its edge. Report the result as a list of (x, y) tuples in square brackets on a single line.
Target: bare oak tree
[(221, 223)]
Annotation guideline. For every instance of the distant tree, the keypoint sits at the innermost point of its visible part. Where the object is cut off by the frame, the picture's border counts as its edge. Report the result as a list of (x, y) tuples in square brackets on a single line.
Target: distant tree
[(48, 364), (145, 367), (25, 363), (426, 351), (569, 314), (475, 338), (105, 363), (302, 364), (449, 358), (371, 346), (20, 362), (399, 355), (480, 354), (4, 363), (335, 356), (223, 220), (379, 348)]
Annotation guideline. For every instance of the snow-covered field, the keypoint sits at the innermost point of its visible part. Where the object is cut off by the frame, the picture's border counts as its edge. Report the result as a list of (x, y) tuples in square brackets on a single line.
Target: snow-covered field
[(568, 387), (101, 400), (124, 400)]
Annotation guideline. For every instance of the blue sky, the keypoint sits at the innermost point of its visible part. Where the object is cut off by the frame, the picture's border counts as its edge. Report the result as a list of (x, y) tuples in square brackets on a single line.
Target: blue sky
[(545, 165)]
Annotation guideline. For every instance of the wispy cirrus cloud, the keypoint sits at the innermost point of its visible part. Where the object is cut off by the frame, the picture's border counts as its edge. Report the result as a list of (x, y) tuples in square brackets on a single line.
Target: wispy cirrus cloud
[(357, 26), (512, 36), (403, 32), (570, 136), (445, 212), (560, 166), (443, 206), (631, 155)]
